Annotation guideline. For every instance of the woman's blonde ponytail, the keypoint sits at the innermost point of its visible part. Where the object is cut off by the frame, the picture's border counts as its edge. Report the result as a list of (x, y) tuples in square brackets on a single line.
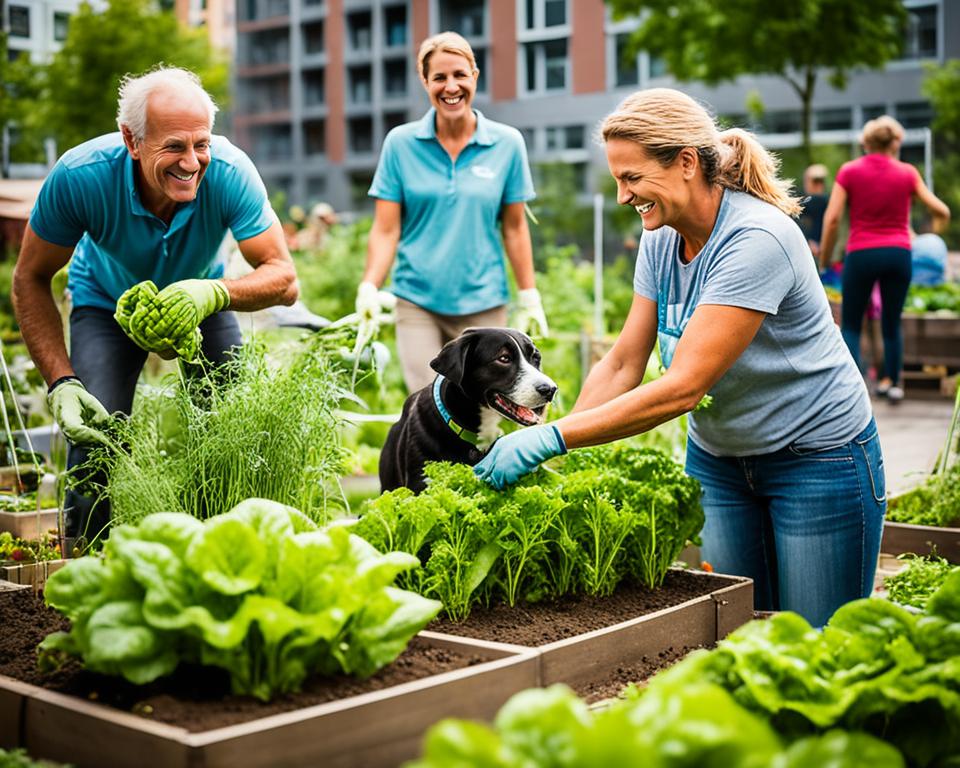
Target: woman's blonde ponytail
[(746, 166)]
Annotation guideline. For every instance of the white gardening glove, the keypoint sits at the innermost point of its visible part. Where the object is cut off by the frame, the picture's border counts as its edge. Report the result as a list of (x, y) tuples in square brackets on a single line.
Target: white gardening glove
[(368, 302), (530, 317)]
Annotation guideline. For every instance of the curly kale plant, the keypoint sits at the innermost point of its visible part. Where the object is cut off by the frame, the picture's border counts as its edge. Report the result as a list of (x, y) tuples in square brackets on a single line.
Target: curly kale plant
[(259, 591)]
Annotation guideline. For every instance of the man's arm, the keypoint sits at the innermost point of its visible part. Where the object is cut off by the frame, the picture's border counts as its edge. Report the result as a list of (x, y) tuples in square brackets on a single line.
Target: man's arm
[(34, 305), (516, 242), (274, 278)]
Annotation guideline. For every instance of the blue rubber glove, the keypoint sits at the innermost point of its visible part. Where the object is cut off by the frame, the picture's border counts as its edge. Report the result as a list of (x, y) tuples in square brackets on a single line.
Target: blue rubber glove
[(519, 453)]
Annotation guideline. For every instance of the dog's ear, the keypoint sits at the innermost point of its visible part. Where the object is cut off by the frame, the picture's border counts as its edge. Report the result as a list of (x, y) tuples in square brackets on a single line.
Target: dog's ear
[(452, 359)]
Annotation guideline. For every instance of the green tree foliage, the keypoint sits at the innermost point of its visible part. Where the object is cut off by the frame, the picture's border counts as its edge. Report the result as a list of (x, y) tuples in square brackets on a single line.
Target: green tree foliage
[(714, 42), (130, 36), (942, 86), (19, 91)]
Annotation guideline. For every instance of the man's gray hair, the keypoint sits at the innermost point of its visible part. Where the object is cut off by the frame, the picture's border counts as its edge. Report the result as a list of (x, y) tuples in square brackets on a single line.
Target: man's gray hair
[(135, 91)]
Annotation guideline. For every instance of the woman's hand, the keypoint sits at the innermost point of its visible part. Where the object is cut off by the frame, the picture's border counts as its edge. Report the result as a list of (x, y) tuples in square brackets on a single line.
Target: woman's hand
[(518, 454)]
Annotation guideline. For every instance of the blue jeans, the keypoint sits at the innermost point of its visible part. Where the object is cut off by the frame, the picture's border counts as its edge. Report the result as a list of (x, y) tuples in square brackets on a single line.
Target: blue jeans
[(804, 525), (109, 364), (891, 267)]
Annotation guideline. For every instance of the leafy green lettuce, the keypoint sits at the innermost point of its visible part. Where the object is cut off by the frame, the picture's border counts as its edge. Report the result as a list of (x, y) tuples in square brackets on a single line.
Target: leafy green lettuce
[(612, 513), (259, 591), (699, 726)]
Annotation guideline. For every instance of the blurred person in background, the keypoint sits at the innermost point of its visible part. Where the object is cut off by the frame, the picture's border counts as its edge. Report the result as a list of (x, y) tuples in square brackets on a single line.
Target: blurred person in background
[(787, 454), (448, 187), (814, 206), (928, 253), (877, 189)]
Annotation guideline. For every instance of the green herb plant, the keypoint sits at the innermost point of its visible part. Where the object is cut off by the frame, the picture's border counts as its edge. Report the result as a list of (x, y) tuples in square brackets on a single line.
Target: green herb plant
[(259, 426), (259, 591)]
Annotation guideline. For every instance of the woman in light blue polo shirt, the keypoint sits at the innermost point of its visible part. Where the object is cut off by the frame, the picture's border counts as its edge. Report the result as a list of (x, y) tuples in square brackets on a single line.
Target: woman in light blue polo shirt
[(447, 187)]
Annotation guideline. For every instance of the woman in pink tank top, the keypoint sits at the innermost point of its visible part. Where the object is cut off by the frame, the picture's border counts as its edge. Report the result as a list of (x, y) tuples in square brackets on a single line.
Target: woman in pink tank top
[(877, 189)]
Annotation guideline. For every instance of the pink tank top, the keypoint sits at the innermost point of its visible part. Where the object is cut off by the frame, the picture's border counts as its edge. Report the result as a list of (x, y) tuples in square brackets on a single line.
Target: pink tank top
[(879, 190)]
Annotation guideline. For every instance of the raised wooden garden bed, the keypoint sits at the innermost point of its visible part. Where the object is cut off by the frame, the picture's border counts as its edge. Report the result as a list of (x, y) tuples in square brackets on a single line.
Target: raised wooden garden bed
[(931, 339), (191, 721), (588, 659), (29, 524), (30, 574), (903, 538)]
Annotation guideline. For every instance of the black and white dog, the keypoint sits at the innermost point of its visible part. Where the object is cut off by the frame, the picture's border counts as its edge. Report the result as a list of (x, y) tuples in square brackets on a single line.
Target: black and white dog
[(484, 374)]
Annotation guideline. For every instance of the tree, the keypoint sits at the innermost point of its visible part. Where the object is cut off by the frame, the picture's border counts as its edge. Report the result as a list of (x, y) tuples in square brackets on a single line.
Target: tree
[(130, 36), (19, 91), (714, 42), (942, 86)]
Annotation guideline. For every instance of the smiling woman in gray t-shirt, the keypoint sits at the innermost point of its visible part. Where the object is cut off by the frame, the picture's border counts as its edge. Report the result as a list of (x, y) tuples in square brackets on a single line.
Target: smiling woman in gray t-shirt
[(788, 454)]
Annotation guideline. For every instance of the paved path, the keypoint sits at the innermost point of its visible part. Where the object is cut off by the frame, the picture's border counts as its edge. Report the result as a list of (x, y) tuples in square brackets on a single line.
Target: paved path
[(912, 434)]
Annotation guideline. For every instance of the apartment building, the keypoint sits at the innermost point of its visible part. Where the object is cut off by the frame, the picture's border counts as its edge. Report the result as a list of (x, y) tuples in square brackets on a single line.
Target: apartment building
[(319, 83)]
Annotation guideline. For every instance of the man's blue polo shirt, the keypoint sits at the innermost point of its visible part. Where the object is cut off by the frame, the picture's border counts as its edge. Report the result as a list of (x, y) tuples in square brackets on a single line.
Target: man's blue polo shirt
[(90, 201), (450, 258)]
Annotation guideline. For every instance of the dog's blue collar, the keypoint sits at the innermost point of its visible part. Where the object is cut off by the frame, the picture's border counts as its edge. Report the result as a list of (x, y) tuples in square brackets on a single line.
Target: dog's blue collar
[(464, 434)]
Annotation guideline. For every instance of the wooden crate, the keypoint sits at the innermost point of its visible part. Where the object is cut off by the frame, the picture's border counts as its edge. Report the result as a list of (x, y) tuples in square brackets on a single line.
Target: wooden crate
[(589, 657), (377, 729)]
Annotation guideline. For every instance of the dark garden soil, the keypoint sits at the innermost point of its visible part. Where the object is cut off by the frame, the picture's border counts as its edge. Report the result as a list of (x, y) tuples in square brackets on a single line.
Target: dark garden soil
[(195, 698), (635, 672), (535, 624)]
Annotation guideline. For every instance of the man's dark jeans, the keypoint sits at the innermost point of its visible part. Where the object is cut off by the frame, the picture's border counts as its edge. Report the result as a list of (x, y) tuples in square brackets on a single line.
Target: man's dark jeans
[(109, 364)]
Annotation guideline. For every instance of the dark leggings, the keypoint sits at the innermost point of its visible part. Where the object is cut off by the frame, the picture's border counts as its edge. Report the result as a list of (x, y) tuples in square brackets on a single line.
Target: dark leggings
[(861, 269)]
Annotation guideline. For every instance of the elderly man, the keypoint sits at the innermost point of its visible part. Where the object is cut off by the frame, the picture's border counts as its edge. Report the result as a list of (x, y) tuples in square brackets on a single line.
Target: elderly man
[(148, 206)]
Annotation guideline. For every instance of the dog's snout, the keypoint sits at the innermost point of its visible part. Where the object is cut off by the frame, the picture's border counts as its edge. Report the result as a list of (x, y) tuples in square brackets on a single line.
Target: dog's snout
[(547, 390)]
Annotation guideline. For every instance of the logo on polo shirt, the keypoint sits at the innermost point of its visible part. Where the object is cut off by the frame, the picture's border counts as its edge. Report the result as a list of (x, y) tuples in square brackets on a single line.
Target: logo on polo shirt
[(482, 172)]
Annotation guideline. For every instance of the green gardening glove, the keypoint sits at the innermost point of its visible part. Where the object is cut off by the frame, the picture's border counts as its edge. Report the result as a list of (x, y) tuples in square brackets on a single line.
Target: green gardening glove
[(170, 319), (80, 415)]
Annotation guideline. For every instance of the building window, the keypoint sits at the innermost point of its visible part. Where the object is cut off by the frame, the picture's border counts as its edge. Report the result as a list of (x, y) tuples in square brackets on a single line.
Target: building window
[(313, 42), (546, 66), (392, 119), (360, 130), (61, 24), (656, 66), (19, 21), (565, 137), (545, 13), (361, 85), (529, 138), (480, 54), (465, 17), (627, 69), (395, 78), (316, 188), (921, 33), (395, 26), (839, 119), (315, 137), (873, 111), (314, 93), (914, 114), (360, 30), (783, 121)]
